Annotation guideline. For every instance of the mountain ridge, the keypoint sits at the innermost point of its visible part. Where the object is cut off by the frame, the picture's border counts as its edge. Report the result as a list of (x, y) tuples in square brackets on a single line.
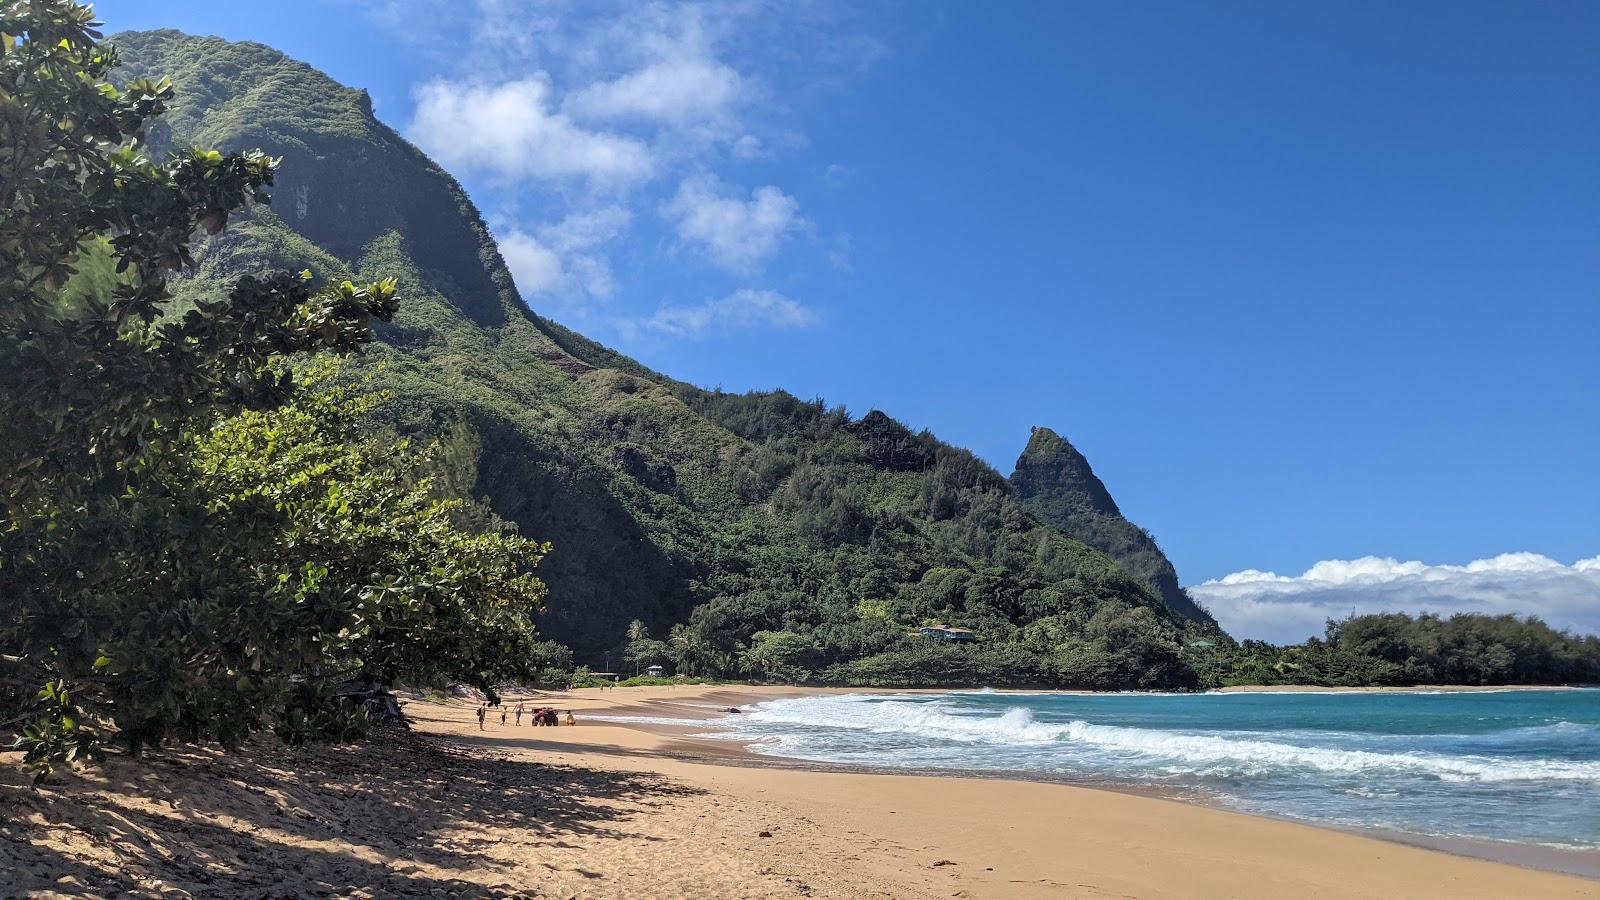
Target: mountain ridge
[(727, 516), (1057, 485)]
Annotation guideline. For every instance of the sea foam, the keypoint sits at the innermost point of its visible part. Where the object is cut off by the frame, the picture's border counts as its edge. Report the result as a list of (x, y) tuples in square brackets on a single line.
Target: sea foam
[(1204, 754), (1513, 766)]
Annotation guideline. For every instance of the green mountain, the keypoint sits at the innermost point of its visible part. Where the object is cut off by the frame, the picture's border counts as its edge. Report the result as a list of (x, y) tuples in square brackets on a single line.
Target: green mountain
[(1056, 483), (778, 534)]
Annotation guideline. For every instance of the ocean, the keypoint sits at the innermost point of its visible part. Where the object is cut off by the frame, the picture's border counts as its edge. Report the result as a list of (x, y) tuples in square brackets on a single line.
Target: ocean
[(1513, 766)]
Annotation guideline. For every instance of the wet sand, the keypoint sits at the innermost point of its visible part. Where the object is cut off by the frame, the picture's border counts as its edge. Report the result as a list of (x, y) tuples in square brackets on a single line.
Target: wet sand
[(605, 810)]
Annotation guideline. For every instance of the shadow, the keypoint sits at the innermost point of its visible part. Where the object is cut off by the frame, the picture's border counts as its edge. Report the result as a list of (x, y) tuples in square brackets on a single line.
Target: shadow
[(493, 740), (401, 815), (531, 739), (609, 565)]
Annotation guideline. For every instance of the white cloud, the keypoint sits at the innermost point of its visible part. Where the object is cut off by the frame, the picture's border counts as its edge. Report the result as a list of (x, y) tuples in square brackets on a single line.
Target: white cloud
[(560, 106), (590, 228), (676, 92), (835, 176), (737, 234), (559, 257), (742, 310), (1288, 609), (535, 267), (509, 130), (748, 147)]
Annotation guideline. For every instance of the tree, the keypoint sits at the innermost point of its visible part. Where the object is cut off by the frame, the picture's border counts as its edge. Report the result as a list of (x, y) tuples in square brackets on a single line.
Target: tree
[(641, 649), (690, 652), (553, 659), (646, 652), (94, 385), (199, 535), (779, 656)]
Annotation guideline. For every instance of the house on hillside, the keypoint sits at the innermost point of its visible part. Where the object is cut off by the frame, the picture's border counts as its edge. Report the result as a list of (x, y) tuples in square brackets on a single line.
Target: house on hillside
[(655, 672), (951, 633)]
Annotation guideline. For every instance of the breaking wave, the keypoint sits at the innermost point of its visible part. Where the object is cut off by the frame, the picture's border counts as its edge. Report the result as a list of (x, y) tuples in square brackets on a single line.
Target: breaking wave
[(1211, 754), (1511, 766)]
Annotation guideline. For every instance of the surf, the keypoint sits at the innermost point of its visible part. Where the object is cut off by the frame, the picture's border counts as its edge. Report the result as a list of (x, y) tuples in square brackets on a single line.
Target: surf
[(1523, 767)]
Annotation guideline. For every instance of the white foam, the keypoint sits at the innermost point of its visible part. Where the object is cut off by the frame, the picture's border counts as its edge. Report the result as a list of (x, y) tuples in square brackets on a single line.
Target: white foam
[(1199, 753), (1221, 756)]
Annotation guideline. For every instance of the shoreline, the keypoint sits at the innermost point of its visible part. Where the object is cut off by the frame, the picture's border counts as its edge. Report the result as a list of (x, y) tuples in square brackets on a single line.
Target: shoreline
[(611, 810), (682, 744), (692, 746)]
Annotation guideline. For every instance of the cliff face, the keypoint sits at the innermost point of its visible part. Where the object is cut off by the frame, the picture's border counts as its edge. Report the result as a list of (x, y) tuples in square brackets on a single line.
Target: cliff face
[(735, 514), (1054, 479), (1058, 486)]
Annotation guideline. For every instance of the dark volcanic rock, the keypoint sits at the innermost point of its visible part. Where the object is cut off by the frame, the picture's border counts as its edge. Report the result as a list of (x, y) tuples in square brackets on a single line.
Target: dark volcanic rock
[(891, 446)]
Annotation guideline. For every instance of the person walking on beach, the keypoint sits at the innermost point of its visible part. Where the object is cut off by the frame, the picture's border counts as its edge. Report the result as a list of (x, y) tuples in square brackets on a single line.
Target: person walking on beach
[(519, 712), (482, 711), (502, 715)]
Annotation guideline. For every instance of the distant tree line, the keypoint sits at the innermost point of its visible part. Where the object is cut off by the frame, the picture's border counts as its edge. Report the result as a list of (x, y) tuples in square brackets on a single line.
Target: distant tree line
[(1121, 648), (1399, 649)]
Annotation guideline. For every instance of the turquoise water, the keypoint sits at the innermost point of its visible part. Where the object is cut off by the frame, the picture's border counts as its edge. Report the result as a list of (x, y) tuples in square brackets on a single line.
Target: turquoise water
[(1518, 766)]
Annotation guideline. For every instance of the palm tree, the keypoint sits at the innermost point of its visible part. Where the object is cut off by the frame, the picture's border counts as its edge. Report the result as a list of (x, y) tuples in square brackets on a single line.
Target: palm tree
[(637, 631), (688, 648)]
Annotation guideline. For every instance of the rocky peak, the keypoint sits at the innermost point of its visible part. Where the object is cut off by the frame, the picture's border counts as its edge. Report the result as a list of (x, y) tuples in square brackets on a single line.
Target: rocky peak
[(1058, 487), (1051, 468), (890, 445)]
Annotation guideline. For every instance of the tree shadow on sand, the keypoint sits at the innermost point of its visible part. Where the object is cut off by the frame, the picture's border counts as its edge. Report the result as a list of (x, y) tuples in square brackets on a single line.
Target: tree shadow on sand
[(398, 816)]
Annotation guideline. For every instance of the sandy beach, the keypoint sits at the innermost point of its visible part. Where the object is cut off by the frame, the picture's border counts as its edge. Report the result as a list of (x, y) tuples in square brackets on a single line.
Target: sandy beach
[(604, 810)]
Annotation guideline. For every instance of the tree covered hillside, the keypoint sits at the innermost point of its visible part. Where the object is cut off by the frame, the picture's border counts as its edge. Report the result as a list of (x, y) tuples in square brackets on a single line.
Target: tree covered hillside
[(1056, 484), (758, 533)]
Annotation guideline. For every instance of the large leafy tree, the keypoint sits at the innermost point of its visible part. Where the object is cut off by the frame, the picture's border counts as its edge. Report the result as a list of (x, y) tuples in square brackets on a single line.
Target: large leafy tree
[(192, 543)]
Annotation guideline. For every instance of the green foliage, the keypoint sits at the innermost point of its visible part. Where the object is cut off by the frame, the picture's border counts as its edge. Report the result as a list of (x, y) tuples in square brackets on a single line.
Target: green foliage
[(551, 659), (646, 652), (54, 735), (245, 541), (658, 681), (580, 678), (1055, 483), (933, 664), (754, 534), (779, 656), (200, 536), (1398, 649), (86, 396)]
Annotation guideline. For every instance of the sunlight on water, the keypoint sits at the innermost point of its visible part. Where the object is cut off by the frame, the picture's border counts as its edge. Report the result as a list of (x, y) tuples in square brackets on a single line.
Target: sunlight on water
[(1520, 766)]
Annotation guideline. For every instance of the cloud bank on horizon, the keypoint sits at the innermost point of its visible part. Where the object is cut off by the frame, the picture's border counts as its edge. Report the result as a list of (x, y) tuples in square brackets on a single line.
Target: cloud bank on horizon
[(1289, 609)]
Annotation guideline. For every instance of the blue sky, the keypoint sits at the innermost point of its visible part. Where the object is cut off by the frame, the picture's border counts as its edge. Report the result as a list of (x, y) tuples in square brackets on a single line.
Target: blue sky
[(1305, 281)]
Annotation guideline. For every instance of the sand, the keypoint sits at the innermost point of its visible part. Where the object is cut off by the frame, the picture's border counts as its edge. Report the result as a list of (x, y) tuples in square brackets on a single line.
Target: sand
[(602, 810)]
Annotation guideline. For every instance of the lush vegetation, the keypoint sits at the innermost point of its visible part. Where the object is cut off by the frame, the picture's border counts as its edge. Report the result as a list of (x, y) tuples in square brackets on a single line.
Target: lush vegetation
[(757, 536), (754, 535), (203, 530), (1398, 649), (1056, 484), (205, 526)]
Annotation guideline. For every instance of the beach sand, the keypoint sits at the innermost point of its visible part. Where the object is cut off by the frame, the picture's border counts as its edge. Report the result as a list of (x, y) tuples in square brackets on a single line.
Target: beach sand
[(603, 810)]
